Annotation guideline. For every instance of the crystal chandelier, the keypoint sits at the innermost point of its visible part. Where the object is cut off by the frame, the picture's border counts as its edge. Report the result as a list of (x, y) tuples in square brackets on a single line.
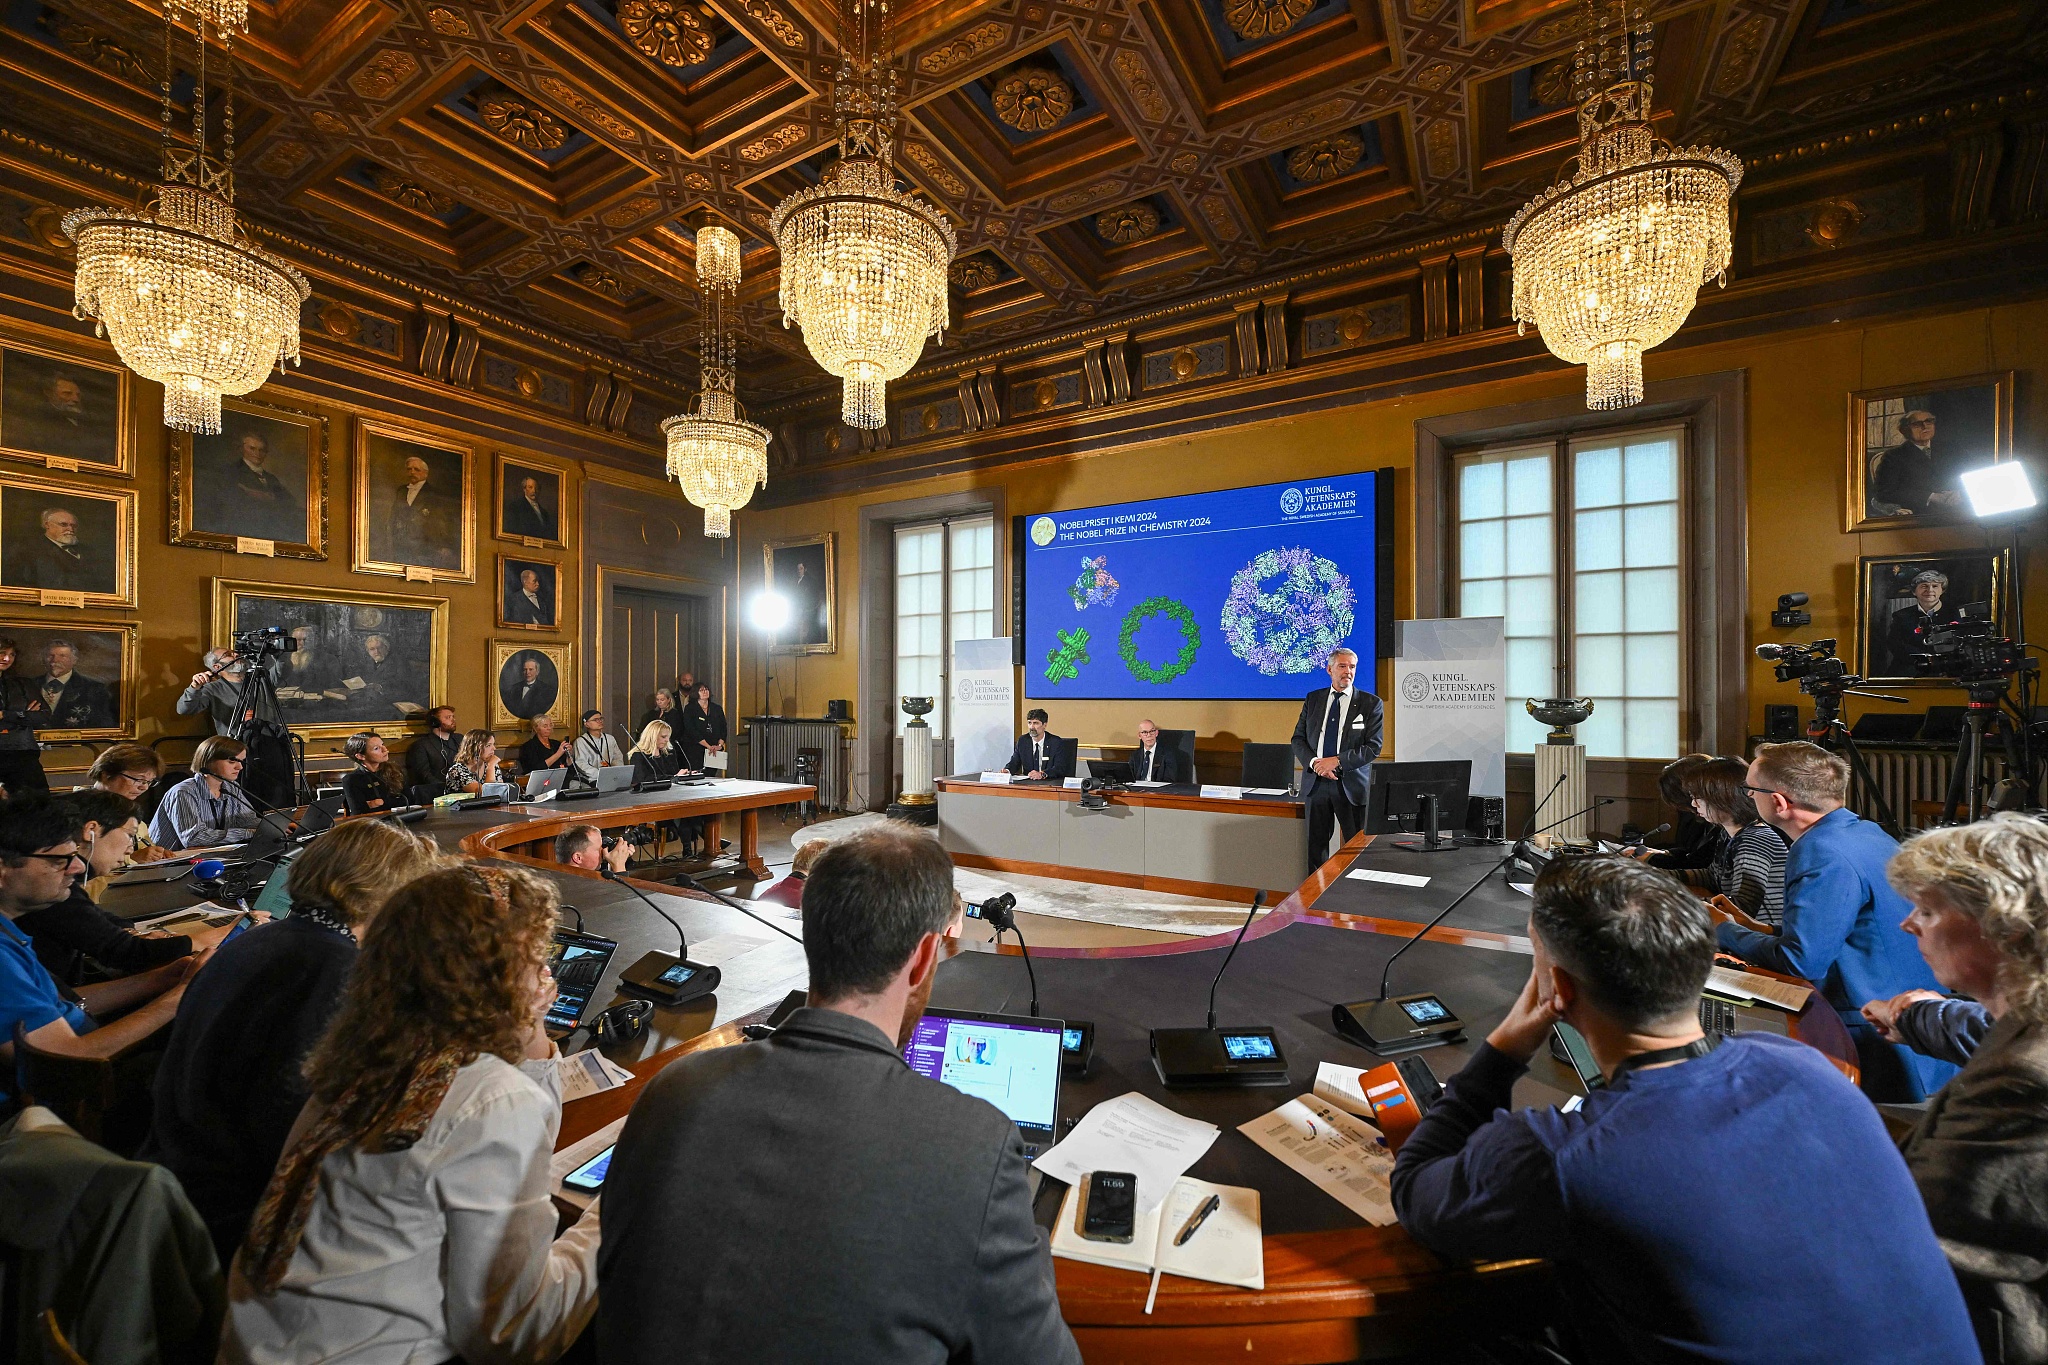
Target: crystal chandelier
[(863, 261), (1607, 262), (714, 452), (188, 300)]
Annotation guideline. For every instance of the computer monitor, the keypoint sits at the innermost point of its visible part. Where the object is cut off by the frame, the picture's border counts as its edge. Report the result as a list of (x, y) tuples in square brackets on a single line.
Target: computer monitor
[(1102, 770), (1398, 789), (1009, 1060), (1268, 765)]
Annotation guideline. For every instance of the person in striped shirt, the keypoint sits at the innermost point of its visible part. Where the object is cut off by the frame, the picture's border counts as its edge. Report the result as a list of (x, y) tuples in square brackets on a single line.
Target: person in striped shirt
[(1749, 867)]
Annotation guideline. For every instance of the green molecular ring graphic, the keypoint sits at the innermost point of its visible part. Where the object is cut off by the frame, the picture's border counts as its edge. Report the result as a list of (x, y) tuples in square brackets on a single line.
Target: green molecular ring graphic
[(1190, 639), (1065, 662)]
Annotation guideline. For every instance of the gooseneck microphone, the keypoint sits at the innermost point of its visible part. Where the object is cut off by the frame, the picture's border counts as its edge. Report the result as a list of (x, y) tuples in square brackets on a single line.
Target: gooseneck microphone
[(1215, 1056), (668, 978), (693, 878)]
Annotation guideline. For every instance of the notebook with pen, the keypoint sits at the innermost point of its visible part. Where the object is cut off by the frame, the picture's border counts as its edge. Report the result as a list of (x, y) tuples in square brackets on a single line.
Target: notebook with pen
[(1227, 1248)]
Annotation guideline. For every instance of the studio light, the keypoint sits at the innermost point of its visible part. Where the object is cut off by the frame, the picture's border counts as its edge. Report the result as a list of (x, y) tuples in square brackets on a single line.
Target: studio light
[(769, 611), (1999, 489)]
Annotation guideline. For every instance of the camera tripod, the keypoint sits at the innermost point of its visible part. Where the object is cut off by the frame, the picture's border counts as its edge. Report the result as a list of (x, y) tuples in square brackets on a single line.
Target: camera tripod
[(1986, 714), (1827, 727), (274, 760)]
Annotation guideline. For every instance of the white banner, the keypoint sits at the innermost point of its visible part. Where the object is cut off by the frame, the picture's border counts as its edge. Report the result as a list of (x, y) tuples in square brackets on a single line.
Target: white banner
[(1449, 702), (984, 704)]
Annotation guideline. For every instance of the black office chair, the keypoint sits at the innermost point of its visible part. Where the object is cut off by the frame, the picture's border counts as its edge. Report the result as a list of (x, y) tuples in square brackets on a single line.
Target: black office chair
[(1182, 741), (1070, 750)]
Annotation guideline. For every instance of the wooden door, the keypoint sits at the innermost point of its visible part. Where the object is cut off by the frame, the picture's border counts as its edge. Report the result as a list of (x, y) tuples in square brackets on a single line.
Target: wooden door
[(653, 638)]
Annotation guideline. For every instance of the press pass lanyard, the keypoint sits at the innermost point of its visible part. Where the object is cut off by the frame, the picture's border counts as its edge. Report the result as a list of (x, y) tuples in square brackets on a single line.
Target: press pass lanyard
[(1698, 1047)]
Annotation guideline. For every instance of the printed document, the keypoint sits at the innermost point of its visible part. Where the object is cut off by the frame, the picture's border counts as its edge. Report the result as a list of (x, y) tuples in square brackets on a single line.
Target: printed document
[(1135, 1134), (1344, 1157)]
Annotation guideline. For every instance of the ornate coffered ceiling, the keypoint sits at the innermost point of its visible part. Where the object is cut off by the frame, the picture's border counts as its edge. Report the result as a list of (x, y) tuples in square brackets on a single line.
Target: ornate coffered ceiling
[(544, 159)]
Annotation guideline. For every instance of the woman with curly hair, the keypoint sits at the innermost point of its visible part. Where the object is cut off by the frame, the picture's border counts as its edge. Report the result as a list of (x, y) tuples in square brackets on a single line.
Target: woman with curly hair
[(476, 762), (1980, 1151), (410, 1218)]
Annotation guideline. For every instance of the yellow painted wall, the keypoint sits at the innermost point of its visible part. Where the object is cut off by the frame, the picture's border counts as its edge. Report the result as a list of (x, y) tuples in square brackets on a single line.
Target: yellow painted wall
[(1799, 384)]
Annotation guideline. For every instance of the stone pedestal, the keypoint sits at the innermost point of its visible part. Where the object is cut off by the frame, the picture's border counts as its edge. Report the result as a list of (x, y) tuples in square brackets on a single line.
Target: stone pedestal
[(1569, 760), (918, 802)]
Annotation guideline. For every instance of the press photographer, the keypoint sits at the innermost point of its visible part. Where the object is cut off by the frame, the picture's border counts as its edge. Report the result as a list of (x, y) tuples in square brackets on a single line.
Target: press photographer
[(238, 691)]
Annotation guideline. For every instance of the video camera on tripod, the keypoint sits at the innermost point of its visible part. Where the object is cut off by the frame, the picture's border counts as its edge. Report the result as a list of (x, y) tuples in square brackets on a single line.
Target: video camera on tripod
[(1967, 651), (260, 646), (1822, 675), (1814, 665)]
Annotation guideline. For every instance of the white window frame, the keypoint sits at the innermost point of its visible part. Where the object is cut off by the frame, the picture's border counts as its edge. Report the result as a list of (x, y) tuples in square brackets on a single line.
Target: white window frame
[(950, 612)]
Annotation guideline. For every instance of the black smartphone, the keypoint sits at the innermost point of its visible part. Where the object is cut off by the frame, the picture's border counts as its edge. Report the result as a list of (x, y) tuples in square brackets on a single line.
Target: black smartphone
[(589, 1177), (1109, 1206)]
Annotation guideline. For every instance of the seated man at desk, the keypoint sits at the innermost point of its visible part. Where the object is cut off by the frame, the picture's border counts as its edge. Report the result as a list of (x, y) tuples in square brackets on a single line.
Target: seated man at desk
[(1040, 754), (1154, 762), (904, 1225), (1652, 1199)]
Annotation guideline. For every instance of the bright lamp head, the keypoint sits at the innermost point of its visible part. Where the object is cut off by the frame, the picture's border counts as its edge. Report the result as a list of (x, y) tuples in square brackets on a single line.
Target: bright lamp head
[(770, 610), (1999, 489)]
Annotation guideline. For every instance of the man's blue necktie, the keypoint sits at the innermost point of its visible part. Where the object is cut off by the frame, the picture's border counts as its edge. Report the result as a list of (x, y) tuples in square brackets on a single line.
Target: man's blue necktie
[(1330, 749)]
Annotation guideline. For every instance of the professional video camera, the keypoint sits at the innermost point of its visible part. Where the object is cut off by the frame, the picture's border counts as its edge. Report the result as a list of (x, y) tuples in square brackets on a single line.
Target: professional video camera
[(258, 645), (1815, 665), (1967, 651)]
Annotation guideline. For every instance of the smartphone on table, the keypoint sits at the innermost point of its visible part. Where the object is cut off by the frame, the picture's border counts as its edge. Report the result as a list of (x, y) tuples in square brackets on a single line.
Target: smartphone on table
[(1109, 1206)]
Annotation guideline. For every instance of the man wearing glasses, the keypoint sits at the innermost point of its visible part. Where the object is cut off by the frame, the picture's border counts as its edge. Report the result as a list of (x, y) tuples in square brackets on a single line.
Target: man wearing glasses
[(1841, 929), (39, 859), (1154, 763)]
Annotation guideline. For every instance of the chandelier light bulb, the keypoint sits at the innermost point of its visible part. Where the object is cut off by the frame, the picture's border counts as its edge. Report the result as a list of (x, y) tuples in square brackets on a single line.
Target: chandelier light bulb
[(718, 257)]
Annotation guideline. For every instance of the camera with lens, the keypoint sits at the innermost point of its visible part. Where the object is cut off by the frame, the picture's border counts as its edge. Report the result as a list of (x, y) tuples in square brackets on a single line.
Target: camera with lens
[(258, 645), (639, 836), (1967, 651), (1814, 665), (999, 912)]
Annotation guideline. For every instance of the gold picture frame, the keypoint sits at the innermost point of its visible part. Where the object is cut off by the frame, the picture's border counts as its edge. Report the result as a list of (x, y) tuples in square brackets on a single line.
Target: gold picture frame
[(1889, 605), (788, 566), (100, 648), (1973, 423), (95, 569), (506, 659), (208, 471), (344, 686), (507, 508), (67, 442), (404, 532), (513, 612)]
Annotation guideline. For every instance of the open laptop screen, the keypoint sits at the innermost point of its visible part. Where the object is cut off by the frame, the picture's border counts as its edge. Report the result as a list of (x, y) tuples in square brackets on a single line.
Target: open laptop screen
[(1011, 1061)]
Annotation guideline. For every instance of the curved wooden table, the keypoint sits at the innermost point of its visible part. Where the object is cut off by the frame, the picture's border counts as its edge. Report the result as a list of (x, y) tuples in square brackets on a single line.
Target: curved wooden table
[(1334, 1295), (508, 840)]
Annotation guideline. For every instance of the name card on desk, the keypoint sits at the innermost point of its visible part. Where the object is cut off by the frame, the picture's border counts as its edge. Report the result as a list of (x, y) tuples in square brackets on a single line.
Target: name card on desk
[(1373, 874), (1223, 793), (996, 779), (1072, 784)]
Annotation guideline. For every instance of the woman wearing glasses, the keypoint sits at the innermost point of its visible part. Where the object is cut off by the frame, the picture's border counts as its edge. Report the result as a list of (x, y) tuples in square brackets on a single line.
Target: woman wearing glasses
[(130, 770), (209, 807)]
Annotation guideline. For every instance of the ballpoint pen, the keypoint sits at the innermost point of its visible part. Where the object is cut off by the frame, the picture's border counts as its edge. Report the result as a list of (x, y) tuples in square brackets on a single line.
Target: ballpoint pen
[(1200, 1216)]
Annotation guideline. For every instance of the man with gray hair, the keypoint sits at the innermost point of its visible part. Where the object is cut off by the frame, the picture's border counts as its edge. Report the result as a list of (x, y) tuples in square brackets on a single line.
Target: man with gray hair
[(1338, 735), (1916, 476), (1905, 631), (897, 1207), (56, 560), (217, 689), (1841, 928)]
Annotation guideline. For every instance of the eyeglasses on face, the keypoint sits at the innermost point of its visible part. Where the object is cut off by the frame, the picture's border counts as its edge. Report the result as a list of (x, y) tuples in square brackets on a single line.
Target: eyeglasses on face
[(61, 859), (1762, 791)]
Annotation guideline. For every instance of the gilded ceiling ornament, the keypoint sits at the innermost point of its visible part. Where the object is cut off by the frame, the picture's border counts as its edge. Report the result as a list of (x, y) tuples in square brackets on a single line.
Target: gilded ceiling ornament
[(410, 193), (1186, 163), (448, 23), (928, 162), (330, 123), (1185, 363), (1441, 143), (673, 32), (381, 76), (1045, 393), (1286, 125), (966, 47), (928, 420), (605, 283), (1326, 158), (1137, 78), (96, 48), (1128, 223), (1834, 223), (528, 382), (1264, 18), (974, 272), (1551, 81), (1435, 76), (1033, 99), (520, 123), (339, 320)]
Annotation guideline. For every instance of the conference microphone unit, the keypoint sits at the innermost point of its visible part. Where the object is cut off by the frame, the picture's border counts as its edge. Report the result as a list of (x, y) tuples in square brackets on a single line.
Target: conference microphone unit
[(1212, 1057), (666, 978)]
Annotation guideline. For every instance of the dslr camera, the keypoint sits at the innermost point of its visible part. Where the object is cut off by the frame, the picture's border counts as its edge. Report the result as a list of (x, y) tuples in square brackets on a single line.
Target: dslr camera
[(639, 836)]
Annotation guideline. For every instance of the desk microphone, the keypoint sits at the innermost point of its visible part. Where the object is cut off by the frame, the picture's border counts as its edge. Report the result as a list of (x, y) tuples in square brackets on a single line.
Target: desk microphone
[(1409, 1022), (1643, 841), (1220, 1057), (666, 977)]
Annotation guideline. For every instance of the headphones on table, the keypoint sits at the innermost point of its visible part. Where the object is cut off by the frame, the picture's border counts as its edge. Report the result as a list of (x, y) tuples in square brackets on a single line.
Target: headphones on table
[(623, 1023)]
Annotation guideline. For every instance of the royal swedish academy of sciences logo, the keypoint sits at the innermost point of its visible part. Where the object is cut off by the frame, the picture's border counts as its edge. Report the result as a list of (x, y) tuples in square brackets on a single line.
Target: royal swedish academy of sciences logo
[(1290, 501), (1042, 531), (1415, 687)]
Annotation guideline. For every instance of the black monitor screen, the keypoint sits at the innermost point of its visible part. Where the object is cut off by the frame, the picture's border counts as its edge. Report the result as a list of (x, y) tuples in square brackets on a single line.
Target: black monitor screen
[(1397, 790)]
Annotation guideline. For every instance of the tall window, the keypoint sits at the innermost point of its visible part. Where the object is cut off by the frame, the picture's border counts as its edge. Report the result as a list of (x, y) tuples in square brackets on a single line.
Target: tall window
[(1606, 627), (945, 591)]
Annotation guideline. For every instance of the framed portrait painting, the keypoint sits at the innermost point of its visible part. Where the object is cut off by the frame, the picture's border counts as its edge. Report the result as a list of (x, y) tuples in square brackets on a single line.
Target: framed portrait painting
[(532, 500), (63, 412), (801, 572), (529, 592), (258, 487), (531, 679), (75, 680), (64, 545), (1900, 598), (415, 504), (353, 660), (1909, 444)]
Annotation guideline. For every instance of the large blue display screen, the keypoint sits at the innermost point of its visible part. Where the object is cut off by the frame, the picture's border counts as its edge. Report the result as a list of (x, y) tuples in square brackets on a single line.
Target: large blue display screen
[(1238, 594)]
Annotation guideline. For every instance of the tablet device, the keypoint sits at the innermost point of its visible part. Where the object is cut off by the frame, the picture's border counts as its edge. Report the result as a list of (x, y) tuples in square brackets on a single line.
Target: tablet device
[(577, 961)]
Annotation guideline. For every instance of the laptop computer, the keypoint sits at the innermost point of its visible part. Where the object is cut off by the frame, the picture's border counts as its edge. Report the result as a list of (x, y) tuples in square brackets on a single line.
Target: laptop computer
[(614, 779), (578, 962), (276, 896), (541, 781), (1009, 1060)]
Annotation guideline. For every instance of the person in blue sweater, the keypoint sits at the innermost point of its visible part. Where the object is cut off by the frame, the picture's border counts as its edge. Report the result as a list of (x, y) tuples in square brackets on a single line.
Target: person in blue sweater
[(1842, 923), (1648, 1199)]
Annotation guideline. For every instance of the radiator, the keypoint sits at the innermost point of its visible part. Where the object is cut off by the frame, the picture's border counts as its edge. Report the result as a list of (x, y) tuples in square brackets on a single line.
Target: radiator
[(1910, 777), (772, 750)]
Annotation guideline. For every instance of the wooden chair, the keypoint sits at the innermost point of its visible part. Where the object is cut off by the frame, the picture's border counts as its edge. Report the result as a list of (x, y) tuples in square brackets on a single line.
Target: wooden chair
[(79, 1090)]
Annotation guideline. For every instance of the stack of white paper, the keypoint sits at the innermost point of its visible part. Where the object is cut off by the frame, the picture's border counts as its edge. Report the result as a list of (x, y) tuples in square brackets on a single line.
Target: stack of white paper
[(1131, 1133)]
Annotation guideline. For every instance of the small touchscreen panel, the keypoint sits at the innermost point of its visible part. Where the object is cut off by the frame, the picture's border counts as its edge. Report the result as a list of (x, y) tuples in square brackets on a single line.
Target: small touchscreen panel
[(1250, 1047)]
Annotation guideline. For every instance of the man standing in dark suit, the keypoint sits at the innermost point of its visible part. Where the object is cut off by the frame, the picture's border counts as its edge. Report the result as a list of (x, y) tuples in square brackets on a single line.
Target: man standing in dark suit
[(1040, 754), (1154, 762), (1339, 734), (907, 1223)]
